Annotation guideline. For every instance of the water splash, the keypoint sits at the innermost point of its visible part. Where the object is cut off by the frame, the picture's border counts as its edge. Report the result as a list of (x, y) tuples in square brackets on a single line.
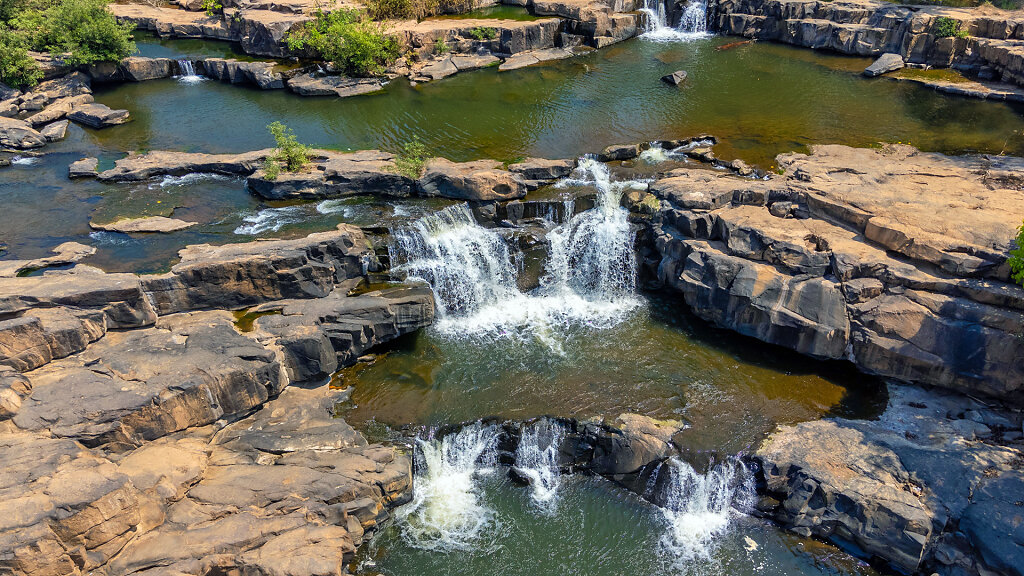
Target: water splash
[(692, 23), (187, 179), (446, 512), (537, 460), (590, 274), (19, 160), (188, 73), (270, 220), (699, 508)]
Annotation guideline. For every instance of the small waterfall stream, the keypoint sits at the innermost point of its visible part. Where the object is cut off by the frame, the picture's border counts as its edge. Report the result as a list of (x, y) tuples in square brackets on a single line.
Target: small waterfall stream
[(692, 23), (447, 512), (590, 273), (537, 460), (188, 73), (698, 507)]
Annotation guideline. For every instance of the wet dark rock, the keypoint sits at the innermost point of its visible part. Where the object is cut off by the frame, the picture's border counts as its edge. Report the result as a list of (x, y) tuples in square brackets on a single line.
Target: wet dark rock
[(97, 115), (675, 79), (542, 169), (260, 74), (888, 62), (321, 334), (136, 167), (619, 152), (340, 86)]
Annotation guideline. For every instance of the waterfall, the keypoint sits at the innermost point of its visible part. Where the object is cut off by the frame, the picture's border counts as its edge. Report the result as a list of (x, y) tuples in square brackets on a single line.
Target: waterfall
[(188, 73), (537, 460), (692, 24), (698, 507), (590, 273), (446, 511)]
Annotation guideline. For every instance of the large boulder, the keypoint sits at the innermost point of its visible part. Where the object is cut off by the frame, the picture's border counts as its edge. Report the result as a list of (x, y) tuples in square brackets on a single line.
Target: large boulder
[(340, 86), (888, 62), (136, 167), (261, 74), (148, 224), (19, 134), (479, 180), (95, 115)]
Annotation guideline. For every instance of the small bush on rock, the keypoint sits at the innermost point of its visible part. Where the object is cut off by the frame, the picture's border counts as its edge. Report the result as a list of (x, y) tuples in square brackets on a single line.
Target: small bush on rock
[(212, 7), (948, 28), (409, 162), (440, 46), (289, 154), (349, 40), (483, 33), (1017, 257)]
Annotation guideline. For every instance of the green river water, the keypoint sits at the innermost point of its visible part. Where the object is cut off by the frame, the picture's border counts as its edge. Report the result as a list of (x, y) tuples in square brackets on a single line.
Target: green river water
[(758, 99)]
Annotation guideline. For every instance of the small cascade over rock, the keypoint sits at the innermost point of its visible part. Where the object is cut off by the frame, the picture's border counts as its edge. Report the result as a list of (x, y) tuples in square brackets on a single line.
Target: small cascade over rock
[(692, 23), (537, 460), (447, 511), (188, 72), (699, 508), (590, 273)]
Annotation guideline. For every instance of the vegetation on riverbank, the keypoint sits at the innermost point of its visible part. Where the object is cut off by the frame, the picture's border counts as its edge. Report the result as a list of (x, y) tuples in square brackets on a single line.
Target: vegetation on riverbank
[(1017, 257), (348, 39), (289, 154), (411, 159), (73, 31), (419, 9)]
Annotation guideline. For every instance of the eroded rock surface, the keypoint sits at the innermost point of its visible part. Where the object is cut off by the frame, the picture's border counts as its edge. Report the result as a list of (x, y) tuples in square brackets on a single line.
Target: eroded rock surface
[(924, 488), (893, 259)]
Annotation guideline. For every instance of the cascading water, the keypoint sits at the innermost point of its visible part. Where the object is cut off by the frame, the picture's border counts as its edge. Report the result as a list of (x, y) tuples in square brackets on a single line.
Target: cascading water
[(590, 273), (537, 460), (188, 73), (446, 512), (698, 507), (692, 23)]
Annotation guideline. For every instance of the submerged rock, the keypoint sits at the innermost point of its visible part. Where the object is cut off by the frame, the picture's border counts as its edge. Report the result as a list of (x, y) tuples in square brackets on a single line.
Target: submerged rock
[(675, 79)]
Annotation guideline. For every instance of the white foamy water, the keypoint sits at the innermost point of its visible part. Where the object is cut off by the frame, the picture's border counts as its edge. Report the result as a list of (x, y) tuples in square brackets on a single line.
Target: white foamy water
[(537, 460), (447, 511), (188, 73), (187, 179), (699, 508), (270, 220), (692, 24), (24, 160), (590, 274), (334, 207)]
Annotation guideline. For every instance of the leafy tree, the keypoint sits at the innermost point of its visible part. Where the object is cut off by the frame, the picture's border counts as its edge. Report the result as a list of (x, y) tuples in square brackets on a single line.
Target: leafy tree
[(1017, 257), (349, 40), (17, 68), (944, 27), (81, 31)]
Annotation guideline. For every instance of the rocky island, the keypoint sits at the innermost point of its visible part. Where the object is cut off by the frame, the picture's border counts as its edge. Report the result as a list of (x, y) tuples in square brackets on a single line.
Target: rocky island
[(549, 287)]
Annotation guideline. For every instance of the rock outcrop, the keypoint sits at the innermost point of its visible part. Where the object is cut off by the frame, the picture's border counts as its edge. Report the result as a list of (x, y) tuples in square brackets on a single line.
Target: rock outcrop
[(148, 224), (991, 42), (175, 443), (478, 180), (925, 489), (851, 254)]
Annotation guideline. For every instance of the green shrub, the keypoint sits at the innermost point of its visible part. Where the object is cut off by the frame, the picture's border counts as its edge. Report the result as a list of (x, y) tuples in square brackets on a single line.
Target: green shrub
[(80, 31), (440, 46), (17, 68), (289, 154), (390, 9), (1017, 257), (348, 39), (419, 9), (410, 160), (483, 33), (944, 27), (212, 7)]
